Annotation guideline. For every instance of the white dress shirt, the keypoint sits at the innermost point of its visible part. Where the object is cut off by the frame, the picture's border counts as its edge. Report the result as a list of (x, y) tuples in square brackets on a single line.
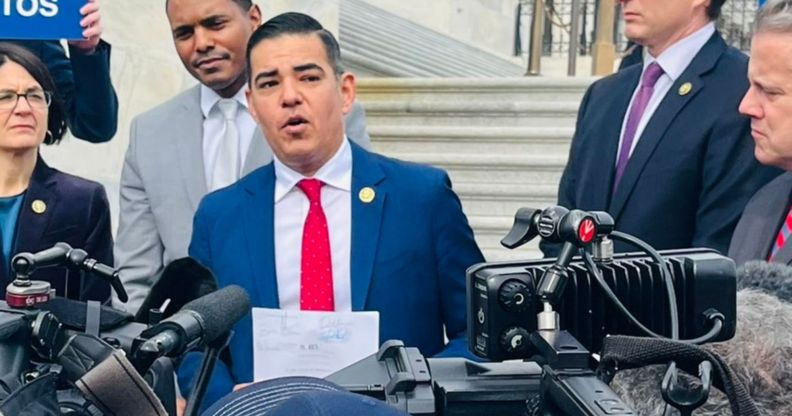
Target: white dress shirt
[(291, 209), (214, 126), (674, 61)]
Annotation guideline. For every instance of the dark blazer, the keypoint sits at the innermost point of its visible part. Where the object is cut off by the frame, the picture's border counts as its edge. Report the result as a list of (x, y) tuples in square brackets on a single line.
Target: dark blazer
[(693, 169), (83, 83), (77, 213), (756, 232), (409, 252)]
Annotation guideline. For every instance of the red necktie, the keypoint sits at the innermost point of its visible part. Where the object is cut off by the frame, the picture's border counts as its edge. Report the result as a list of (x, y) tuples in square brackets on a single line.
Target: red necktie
[(316, 266), (783, 235)]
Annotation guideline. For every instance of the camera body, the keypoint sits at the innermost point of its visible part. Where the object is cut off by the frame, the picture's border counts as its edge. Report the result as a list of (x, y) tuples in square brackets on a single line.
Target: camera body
[(502, 302)]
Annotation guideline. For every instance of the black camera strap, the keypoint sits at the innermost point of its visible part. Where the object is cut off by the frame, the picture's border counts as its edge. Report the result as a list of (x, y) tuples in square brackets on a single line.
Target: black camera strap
[(625, 352)]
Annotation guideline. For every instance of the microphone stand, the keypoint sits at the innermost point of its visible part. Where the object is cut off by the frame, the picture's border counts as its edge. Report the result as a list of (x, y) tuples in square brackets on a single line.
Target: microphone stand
[(201, 381)]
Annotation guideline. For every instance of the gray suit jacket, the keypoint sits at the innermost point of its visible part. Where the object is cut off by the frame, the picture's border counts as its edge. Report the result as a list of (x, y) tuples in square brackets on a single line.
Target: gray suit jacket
[(756, 232), (163, 181)]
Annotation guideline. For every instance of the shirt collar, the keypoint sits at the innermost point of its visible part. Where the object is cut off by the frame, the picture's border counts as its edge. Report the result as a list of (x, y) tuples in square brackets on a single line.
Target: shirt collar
[(209, 99), (676, 58), (337, 172)]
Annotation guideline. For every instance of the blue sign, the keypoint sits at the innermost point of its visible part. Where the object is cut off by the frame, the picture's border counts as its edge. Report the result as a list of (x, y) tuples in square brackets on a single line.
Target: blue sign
[(41, 19)]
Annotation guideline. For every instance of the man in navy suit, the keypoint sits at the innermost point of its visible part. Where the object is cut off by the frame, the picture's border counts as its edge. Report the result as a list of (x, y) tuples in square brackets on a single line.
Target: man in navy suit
[(661, 146), (329, 225)]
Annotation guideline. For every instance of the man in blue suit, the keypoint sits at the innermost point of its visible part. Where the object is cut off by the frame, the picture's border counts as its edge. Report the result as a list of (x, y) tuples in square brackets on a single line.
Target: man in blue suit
[(329, 225), (661, 146)]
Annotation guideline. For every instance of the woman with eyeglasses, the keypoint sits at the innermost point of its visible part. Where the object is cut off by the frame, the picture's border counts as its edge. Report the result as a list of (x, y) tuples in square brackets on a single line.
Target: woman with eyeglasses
[(39, 205)]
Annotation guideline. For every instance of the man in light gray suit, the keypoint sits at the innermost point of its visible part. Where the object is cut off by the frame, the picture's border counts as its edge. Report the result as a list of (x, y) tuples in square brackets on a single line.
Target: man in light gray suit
[(199, 141), (765, 229)]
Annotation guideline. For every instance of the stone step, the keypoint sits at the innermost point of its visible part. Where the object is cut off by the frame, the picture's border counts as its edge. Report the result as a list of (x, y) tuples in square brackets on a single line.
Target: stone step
[(530, 89), (474, 113), (493, 168), (423, 139), (504, 199), (375, 34), (493, 174)]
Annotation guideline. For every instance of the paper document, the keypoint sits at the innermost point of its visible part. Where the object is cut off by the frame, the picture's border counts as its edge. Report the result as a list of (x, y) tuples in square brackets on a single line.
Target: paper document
[(307, 343)]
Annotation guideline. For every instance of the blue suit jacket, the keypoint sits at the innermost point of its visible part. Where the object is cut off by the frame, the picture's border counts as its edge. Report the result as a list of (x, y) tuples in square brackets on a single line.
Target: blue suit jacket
[(77, 213), (693, 169), (410, 248)]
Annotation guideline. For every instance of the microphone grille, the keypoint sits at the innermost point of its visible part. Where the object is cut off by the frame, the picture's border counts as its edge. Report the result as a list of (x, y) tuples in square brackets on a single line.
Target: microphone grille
[(220, 310)]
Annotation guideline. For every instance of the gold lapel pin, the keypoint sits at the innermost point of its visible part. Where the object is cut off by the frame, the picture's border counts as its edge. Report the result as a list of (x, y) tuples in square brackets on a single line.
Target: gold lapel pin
[(367, 195), (685, 88), (38, 206)]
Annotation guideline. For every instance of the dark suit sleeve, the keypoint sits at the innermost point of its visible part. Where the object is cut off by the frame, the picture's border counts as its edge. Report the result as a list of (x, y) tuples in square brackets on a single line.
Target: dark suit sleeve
[(567, 185), (222, 382), (83, 84), (98, 244), (455, 251), (730, 176)]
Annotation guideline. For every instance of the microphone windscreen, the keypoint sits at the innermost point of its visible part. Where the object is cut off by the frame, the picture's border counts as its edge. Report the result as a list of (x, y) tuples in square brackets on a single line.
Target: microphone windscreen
[(220, 310), (181, 281), (772, 278)]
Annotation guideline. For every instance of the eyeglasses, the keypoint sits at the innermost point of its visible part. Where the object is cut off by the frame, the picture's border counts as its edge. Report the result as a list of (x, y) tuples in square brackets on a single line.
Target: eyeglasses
[(36, 99)]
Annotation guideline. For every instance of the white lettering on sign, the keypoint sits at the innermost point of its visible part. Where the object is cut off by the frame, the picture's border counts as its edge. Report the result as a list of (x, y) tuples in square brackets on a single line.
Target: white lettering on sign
[(30, 8)]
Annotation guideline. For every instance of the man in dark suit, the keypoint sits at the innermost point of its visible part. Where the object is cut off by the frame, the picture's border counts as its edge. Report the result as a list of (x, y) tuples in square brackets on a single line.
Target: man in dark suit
[(661, 145), (82, 79), (329, 225), (765, 226)]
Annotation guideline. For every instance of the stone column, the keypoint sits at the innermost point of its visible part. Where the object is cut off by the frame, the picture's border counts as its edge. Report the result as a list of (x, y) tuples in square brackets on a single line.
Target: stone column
[(325, 11), (603, 51)]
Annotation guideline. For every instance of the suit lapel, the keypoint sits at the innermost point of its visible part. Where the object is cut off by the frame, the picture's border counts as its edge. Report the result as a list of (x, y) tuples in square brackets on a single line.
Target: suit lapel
[(259, 153), (31, 226), (188, 124), (260, 235), (662, 118), (366, 222)]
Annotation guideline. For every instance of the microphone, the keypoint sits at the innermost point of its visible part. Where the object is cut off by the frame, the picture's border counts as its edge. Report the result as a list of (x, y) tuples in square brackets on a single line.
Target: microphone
[(181, 281), (772, 278), (199, 322)]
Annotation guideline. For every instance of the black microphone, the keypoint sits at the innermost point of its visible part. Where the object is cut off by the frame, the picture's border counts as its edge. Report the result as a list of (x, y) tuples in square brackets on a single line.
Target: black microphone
[(772, 278), (199, 322)]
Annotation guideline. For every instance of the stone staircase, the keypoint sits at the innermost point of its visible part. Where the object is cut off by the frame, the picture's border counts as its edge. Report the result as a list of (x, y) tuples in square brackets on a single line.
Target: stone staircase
[(377, 43), (504, 142)]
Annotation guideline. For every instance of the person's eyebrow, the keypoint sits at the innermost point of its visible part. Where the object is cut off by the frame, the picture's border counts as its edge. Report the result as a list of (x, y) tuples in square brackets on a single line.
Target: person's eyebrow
[(266, 74), (307, 67)]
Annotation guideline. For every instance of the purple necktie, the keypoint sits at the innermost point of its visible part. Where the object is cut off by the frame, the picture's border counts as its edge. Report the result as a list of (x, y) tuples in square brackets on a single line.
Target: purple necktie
[(648, 81)]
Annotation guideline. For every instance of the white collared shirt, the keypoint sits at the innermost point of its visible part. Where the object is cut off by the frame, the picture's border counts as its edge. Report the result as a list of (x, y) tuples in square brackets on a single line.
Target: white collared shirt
[(291, 209), (674, 61), (214, 126)]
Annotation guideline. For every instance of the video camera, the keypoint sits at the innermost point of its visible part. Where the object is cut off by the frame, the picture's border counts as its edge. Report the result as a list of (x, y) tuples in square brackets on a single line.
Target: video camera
[(687, 295), (62, 356)]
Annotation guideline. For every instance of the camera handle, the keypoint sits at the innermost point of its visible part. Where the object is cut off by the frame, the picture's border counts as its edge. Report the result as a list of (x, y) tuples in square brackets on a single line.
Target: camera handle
[(568, 386)]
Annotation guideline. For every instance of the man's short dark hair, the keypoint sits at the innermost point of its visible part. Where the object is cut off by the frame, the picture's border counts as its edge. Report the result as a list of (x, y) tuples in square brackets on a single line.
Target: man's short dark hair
[(293, 23), (245, 5), (56, 121), (714, 9)]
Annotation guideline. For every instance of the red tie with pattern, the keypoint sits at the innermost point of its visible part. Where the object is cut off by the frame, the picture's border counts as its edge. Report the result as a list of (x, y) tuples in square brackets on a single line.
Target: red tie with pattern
[(316, 266), (783, 236)]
